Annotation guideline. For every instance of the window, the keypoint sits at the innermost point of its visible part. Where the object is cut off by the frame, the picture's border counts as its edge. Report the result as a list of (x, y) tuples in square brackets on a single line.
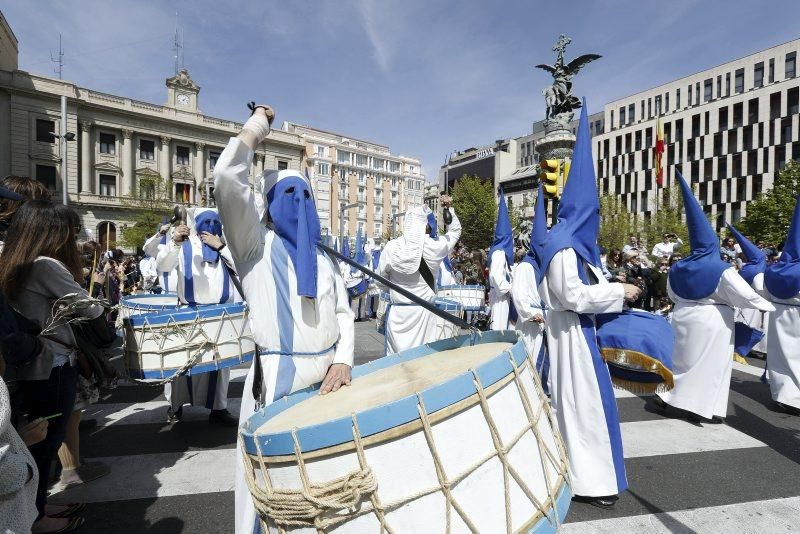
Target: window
[(361, 160), (741, 188), (747, 138), (689, 97), (758, 75), (283, 165), (44, 131), (733, 138), (752, 162), (638, 140), (677, 99), (147, 149), (717, 144), (213, 158), (342, 156), (649, 108), (696, 125), (752, 111), (738, 112), (786, 130), (666, 102), (378, 164), (108, 143), (775, 105), (622, 116), (182, 155), (771, 70), (320, 151), (147, 188), (728, 84), (790, 65), (648, 138), (697, 93), (46, 174), (723, 118), (737, 166), (739, 81), (708, 89), (323, 169), (108, 185), (792, 97), (706, 122), (394, 166), (719, 86), (612, 118), (183, 193)]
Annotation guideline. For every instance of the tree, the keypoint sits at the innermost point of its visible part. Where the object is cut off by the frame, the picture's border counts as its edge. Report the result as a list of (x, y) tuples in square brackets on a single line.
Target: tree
[(474, 203), (666, 217), (516, 214), (616, 223), (769, 215), (151, 201)]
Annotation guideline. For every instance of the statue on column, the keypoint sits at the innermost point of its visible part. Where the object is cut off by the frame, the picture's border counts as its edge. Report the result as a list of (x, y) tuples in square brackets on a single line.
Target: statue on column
[(560, 101)]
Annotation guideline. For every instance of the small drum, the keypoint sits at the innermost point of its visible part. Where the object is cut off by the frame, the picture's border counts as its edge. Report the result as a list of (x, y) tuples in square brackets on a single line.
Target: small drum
[(637, 346), (140, 304), (745, 337), (445, 328), (358, 289), (449, 436), (380, 314), (216, 336), (472, 298)]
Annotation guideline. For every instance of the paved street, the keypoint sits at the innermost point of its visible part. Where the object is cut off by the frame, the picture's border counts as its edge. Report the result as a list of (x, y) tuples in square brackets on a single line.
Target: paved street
[(739, 477)]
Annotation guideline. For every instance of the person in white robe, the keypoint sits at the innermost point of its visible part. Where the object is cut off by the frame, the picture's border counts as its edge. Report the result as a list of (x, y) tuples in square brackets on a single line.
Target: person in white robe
[(204, 268), (357, 282), (299, 310), (412, 262), (149, 272), (752, 270), (167, 281), (573, 290), (782, 288), (705, 290), (501, 259)]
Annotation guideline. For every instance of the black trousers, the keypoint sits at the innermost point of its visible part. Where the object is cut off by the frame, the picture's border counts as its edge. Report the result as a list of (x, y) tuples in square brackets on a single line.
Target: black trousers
[(43, 398)]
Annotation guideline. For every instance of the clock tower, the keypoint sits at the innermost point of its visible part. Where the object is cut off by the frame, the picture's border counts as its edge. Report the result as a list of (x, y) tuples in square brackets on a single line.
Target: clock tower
[(182, 92)]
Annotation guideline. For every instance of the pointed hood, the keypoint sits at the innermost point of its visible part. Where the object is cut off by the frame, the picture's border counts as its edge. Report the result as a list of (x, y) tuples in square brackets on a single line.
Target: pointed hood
[(360, 255), (346, 246), (783, 278), (756, 259), (697, 275), (578, 221), (503, 238), (538, 235)]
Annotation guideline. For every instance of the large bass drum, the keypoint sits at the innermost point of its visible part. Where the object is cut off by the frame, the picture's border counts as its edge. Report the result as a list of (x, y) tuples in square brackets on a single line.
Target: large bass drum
[(141, 304), (471, 298), (447, 437)]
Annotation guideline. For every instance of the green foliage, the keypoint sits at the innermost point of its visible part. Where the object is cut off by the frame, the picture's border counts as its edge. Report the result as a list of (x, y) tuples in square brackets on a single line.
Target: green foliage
[(474, 203), (150, 202), (616, 223), (666, 218), (769, 215)]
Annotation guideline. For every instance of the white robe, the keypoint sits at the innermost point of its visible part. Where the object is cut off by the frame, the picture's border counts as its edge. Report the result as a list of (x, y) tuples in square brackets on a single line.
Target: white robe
[(756, 318), (299, 338), (446, 277), (528, 303), (409, 325), (783, 351), (147, 267), (168, 280), (499, 290), (206, 389), (580, 385), (702, 356)]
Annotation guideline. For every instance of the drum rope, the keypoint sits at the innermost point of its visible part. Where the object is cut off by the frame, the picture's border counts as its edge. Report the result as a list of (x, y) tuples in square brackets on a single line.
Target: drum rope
[(562, 448), (377, 507)]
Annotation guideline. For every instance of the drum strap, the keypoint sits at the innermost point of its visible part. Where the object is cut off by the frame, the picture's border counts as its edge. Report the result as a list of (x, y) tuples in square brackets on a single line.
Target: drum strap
[(426, 274)]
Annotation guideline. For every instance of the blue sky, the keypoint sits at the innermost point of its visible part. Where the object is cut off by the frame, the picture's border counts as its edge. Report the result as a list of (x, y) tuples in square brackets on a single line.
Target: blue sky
[(424, 77)]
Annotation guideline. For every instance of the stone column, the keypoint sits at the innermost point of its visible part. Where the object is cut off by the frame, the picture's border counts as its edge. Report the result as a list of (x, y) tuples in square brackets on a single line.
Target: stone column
[(87, 176), (260, 159), (127, 183), (200, 172), (164, 158)]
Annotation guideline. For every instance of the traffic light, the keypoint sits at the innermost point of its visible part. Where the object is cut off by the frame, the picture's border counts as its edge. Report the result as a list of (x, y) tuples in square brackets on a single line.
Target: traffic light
[(549, 170), (567, 163)]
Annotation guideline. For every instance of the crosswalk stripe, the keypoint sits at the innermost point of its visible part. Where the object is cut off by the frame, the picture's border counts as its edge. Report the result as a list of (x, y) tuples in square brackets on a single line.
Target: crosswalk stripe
[(774, 515), (143, 413), (673, 436), (748, 369)]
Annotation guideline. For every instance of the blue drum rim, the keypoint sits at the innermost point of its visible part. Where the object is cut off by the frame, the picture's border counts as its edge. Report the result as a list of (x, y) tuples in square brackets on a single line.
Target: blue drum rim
[(546, 525), (185, 313), (456, 286), (448, 304), (200, 368), (144, 306), (386, 416)]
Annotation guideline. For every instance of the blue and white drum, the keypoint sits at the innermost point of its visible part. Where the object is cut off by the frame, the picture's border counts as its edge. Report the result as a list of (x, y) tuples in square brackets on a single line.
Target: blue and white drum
[(357, 289), (141, 304), (206, 338), (445, 328), (421, 441), (472, 298)]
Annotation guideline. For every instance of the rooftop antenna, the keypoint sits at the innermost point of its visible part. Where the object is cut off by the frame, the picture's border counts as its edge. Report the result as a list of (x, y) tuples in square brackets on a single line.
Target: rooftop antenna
[(59, 59), (177, 45)]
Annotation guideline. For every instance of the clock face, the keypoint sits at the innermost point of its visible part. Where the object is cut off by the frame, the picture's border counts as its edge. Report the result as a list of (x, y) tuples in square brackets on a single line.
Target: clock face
[(183, 99)]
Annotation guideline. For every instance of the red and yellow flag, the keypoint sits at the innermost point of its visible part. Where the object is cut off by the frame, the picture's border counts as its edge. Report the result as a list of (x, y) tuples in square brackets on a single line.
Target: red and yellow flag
[(659, 152)]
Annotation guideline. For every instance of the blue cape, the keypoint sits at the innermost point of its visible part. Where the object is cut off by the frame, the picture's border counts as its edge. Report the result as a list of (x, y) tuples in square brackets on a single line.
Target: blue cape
[(697, 275), (578, 221), (208, 221), (292, 210), (503, 238), (538, 236), (783, 278), (756, 259)]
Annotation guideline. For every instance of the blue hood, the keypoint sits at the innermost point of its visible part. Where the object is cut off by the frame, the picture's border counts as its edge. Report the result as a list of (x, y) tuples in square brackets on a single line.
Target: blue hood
[(756, 260), (208, 221), (503, 238), (783, 278)]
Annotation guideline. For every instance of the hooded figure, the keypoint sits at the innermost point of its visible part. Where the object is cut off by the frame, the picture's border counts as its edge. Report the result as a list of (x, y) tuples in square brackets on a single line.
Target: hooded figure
[(705, 291), (203, 278), (412, 261), (573, 289), (299, 311), (756, 321), (155, 244), (356, 281), (782, 288), (501, 259), (526, 277)]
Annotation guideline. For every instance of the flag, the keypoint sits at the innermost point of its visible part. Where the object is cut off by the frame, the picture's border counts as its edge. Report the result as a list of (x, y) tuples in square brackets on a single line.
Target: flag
[(659, 152)]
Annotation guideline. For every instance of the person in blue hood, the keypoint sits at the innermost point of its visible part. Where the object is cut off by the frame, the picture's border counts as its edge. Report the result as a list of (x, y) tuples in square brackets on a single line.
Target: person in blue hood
[(706, 291), (501, 259), (782, 288), (752, 270), (299, 311), (573, 290)]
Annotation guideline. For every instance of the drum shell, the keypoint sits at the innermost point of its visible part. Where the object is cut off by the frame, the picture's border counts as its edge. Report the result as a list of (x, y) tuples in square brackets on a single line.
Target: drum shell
[(142, 304), (472, 298), (401, 459), (446, 329)]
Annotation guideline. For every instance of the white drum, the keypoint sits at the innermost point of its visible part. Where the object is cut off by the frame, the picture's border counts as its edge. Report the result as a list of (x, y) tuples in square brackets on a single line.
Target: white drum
[(141, 304), (446, 329), (446, 437), (472, 298), (157, 345)]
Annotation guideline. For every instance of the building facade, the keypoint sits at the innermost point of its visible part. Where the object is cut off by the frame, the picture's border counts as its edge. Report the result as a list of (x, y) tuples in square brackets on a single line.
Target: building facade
[(728, 130), (344, 171)]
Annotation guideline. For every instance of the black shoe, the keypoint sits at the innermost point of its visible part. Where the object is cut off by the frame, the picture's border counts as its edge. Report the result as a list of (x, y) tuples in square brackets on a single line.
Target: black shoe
[(785, 408), (607, 502), (660, 404), (717, 420), (698, 419), (173, 416), (223, 418), (87, 424)]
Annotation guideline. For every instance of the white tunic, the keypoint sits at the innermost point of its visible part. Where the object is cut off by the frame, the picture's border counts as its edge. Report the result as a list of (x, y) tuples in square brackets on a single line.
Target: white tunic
[(299, 337), (445, 277), (528, 303), (702, 356), (580, 385), (408, 325), (167, 280), (147, 267), (756, 318), (783, 351), (499, 290)]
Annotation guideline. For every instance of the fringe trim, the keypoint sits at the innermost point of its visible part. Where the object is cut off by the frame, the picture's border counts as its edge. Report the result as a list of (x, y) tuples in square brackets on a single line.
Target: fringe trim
[(739, 359), (641, 363)]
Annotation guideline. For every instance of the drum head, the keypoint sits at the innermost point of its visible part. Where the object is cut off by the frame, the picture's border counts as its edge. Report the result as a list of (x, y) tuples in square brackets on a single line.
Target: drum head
[(146, 301)]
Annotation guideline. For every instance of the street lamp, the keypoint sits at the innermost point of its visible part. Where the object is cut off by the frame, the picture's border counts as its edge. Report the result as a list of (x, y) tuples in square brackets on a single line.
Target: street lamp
[(68, 136), (342, 210), (394, 222)]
